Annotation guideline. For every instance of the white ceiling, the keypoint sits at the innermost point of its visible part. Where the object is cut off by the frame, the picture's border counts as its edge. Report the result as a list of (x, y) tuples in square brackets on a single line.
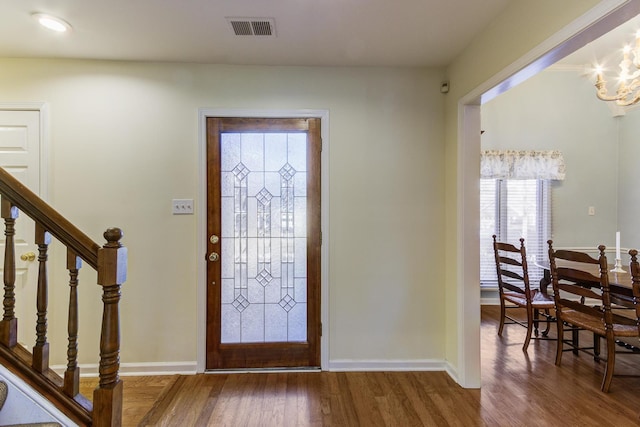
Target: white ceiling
[(428, 33)]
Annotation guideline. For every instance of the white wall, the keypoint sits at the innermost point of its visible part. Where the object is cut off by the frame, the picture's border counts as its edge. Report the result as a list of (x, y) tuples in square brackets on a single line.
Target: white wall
[(629, 194), (558, 110), (124, 142), (24, 406)]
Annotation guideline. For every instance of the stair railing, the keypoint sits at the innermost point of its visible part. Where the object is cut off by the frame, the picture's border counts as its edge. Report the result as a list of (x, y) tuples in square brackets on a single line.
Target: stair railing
[(110, 263)]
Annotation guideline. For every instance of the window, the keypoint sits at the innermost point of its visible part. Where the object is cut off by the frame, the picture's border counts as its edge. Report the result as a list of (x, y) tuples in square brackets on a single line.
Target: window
[(512, 209)]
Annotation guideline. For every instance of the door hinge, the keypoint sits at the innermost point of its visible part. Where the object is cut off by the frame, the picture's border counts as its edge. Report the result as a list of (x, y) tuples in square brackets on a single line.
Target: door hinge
[(320, 328), (321, 238)]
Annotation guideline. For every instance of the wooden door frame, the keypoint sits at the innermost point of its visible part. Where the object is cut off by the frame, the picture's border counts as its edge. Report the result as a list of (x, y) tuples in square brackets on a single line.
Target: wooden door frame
[(201, 208)]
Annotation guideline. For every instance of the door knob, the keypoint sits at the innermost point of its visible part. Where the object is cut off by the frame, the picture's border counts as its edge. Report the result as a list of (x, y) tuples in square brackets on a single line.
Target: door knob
[(213, 256), (28, 256)]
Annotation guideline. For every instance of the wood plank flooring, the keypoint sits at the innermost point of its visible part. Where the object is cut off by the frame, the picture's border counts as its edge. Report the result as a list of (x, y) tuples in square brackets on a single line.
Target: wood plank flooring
[(518, 389)]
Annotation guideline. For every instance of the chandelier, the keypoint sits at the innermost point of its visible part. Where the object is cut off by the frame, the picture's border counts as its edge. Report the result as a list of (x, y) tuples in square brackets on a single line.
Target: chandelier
[(628, 83)]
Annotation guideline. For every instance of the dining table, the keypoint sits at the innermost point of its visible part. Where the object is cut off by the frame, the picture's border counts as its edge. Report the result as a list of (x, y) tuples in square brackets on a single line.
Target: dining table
[(620, 290), (620, 283)]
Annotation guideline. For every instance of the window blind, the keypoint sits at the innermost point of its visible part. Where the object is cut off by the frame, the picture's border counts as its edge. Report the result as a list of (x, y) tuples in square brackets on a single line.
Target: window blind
[(512, 209)]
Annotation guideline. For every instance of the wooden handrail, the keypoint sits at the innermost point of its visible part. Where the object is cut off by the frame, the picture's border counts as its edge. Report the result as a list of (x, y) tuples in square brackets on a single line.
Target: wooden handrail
[(110, 263), (38, 210)]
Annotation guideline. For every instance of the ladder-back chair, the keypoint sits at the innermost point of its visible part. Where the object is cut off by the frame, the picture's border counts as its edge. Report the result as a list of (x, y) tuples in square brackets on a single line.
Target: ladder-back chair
[(515, 292), (583, 300), (634, 270)]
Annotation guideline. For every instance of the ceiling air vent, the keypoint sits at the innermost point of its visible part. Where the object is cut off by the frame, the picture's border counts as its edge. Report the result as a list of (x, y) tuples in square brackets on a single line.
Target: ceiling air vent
[(253, 26)]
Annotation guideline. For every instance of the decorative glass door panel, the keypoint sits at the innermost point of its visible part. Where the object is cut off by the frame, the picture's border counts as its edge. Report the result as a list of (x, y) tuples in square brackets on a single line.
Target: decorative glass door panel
[(264, 238)]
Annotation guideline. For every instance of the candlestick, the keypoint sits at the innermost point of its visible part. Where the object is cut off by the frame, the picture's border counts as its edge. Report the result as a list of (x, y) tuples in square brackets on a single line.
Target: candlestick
[(617, 268)]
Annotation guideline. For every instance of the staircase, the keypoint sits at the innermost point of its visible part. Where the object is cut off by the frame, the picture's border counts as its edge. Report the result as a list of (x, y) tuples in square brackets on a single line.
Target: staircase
[(32, 365)]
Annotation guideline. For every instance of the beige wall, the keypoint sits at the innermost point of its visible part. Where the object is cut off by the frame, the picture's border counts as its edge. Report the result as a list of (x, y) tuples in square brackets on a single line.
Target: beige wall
[(124, 142)]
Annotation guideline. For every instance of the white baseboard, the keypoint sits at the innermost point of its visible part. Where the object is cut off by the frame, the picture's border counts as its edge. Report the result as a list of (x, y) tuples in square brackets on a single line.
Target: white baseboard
[(353, 365), (453, 372), (338, 365), (489, 295), (262, 371), (137, 369)]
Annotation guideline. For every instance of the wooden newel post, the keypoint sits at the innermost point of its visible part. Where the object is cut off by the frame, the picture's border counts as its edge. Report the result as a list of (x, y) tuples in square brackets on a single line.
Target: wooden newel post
[(112, 272)]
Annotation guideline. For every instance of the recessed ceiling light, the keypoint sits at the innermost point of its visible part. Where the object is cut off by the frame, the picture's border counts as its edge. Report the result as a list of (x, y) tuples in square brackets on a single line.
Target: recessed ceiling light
[(51, 22)]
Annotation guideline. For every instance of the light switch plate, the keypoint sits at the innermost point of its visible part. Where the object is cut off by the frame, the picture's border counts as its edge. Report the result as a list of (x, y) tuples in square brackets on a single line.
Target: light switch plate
[(182, 206)]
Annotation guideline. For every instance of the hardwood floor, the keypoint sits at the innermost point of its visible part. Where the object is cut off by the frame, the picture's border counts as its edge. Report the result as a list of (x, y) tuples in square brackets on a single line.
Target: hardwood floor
[(518, 389)]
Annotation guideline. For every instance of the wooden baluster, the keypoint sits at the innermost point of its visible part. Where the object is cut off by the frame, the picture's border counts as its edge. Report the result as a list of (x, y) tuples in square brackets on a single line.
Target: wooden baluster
[(41, 350), (72, 374), (9, 323), (112, 272)]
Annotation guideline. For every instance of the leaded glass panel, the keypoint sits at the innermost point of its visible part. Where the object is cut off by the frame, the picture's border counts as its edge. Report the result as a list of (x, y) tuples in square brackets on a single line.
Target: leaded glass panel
[(264, 229)]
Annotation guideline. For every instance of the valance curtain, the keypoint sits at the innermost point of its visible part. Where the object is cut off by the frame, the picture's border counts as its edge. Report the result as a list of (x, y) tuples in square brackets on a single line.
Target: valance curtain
[(513, 164)]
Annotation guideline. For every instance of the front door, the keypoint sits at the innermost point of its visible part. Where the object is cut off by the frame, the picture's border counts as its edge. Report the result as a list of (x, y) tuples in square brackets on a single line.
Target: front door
[(20, 156), (263, 242)]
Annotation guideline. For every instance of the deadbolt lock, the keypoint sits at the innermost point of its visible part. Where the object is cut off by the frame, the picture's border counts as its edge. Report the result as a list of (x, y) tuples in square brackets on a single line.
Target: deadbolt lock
[(214, 239)]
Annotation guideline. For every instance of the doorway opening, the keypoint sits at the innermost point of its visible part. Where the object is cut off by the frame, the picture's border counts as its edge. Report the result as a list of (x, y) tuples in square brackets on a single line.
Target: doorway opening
[(592, 25)]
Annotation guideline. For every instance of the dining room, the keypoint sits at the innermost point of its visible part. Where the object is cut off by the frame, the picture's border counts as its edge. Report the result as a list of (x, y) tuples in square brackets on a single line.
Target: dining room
[(581, 196), (557, 110)]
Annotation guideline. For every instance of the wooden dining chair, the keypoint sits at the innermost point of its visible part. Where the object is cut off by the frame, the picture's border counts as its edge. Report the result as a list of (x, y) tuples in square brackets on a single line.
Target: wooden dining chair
[(634, 270), (515, 292), (582, 299)]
